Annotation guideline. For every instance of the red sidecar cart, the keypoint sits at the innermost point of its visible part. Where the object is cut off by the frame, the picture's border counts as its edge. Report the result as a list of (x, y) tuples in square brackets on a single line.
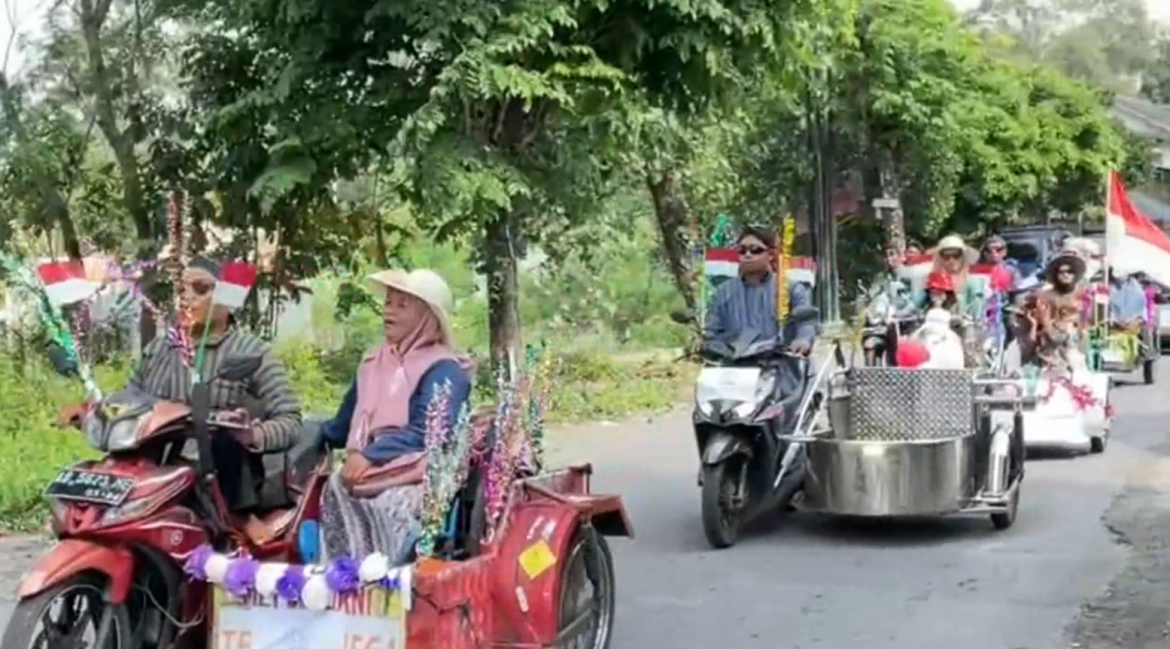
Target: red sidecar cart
[(545, 580)]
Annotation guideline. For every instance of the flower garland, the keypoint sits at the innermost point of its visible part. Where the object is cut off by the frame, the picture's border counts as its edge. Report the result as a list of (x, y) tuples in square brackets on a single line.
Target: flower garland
[(1082, 396), (316, 588), (787, 240)]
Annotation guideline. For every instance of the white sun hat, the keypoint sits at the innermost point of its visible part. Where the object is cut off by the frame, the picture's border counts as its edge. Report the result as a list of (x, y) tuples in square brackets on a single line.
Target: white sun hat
[(424, 284), (955, 242)]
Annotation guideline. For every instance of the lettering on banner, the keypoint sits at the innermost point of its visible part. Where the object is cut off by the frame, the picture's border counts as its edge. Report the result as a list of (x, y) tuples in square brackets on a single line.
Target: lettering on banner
[(234, 639), (369, 641)]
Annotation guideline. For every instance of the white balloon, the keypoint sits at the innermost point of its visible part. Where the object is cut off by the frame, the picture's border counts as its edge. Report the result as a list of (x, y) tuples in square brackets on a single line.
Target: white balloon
[(216, 568), (374, 568), (267, 576), (316, 594)]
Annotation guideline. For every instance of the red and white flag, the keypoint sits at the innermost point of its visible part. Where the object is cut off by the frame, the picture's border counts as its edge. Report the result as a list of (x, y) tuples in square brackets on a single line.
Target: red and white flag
[(1133, 242), (65, 282), (724, 262), (236, 278), (915, 268)]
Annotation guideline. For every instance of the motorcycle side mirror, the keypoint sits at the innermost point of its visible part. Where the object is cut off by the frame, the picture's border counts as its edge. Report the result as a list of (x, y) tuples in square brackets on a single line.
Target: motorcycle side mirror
[(683, 316), (239, 368)]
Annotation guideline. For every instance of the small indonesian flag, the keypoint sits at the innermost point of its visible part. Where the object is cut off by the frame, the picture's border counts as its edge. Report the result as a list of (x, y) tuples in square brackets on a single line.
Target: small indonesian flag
[(915, 268), (65, 282), (724, 262), (236, 278), (1133, 242)]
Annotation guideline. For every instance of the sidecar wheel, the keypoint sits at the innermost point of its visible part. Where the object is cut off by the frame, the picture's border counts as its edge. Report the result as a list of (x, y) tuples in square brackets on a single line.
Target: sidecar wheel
[(586, 614)]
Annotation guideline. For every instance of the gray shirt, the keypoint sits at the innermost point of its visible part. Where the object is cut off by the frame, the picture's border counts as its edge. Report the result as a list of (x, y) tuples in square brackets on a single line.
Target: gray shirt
[(162, 374), (739, 306)]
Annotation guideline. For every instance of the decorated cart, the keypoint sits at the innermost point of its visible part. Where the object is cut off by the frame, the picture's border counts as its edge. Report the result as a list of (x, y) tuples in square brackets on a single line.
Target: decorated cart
[(509, 555)]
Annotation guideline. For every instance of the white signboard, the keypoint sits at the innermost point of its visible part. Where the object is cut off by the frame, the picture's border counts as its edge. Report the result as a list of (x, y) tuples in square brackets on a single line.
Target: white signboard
[(373, 619)]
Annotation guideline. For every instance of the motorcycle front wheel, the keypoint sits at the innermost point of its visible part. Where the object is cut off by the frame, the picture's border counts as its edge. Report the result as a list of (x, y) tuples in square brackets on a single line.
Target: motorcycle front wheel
[(67, 615), (722, 502)]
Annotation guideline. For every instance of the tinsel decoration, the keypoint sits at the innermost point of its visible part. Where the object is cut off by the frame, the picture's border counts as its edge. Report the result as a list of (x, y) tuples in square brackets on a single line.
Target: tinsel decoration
[(505, 450), (995, 316), (19, 277), (787, 242), (537, 393), (448, 452)]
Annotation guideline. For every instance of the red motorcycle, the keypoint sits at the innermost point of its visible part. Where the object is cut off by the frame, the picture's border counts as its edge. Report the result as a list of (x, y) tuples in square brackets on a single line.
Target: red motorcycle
[(127, 523)]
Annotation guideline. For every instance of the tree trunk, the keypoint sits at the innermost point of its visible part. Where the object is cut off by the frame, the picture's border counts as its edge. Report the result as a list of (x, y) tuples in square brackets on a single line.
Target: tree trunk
[(93, 17), (672, 215), (893, 218), (501, 268)]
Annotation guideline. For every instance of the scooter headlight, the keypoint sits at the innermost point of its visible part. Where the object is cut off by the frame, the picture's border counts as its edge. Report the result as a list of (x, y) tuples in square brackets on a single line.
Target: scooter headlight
[(749, 409), (122, 434)]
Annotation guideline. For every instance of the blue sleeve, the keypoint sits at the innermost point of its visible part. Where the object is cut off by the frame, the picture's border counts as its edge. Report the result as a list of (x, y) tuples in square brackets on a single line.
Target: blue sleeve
[(336, 430), (799, 296), (412, 437), (716, 324)]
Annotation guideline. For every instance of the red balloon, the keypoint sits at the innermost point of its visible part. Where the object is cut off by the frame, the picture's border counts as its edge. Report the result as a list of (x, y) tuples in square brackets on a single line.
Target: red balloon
[(911, 353), (1001, 279)]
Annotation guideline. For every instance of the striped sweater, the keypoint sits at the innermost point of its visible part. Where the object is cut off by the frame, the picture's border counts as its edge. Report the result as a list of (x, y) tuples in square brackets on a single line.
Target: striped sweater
[(162, 374)]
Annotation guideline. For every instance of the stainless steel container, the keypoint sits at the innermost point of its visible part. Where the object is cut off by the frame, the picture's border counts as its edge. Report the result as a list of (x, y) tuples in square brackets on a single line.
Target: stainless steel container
[(890, 478)]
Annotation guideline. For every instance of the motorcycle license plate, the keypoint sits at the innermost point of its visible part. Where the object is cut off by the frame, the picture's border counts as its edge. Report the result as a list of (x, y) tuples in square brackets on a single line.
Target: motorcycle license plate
[(90, 487), (731, 383)]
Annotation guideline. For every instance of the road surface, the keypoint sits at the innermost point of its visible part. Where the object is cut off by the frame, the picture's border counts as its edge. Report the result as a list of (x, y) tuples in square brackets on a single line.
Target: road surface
[(1086, 564)]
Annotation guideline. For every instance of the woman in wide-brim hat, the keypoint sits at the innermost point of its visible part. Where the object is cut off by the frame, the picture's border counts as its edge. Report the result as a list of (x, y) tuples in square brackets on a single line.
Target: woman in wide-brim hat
[(1067, 268), (953, 257), (370, 505)]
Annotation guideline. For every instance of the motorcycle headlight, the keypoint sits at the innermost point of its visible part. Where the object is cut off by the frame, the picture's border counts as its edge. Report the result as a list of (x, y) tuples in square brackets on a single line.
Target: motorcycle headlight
[(747, 409), (122, 435)]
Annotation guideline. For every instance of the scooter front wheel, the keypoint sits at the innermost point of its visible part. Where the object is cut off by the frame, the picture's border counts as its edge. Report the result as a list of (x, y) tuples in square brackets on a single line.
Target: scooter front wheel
[(721, 502), (67, 615)]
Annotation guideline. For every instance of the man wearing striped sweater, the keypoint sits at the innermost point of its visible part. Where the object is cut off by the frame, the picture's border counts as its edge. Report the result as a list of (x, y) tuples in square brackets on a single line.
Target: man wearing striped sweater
[(266, 399)]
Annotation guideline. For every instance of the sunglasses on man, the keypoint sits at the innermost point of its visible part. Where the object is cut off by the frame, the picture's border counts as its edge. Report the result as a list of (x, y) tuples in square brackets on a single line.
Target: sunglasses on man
[(951, 254), (752, 250)]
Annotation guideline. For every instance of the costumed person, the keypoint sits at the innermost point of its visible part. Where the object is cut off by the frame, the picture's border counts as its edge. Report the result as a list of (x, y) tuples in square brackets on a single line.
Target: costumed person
[(749, 302), (373, 502), (944, 346), (888, 300), (1127, 302), (1048, 326), (995, 256), (939, 293), (266, 400), (955, 258)]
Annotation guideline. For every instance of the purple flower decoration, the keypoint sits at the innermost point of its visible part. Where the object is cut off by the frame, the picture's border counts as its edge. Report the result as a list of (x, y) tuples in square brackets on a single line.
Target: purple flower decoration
[(197, 563), (342, 576), (390, 581), (241, 576), (288, 587)]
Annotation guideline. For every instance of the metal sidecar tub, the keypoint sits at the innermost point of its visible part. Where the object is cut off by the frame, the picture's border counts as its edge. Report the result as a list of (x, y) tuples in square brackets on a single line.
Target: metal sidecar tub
[(904, 442)]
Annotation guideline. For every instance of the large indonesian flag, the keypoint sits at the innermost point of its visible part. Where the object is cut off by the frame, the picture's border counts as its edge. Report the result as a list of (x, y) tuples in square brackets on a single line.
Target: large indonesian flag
[(724, 262), (1133, 243)]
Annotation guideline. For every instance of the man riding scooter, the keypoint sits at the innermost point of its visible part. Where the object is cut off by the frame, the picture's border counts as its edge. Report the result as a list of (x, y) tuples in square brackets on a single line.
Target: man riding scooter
[(752, 392), (889, 311)]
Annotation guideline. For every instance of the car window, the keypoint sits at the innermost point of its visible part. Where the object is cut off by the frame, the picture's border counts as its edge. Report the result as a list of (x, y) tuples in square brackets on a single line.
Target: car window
[(1026, 255)]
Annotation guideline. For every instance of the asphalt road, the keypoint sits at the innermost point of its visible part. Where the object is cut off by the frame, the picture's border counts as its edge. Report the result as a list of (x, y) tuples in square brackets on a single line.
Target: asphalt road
[(1086, 564), (1090, 535)]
